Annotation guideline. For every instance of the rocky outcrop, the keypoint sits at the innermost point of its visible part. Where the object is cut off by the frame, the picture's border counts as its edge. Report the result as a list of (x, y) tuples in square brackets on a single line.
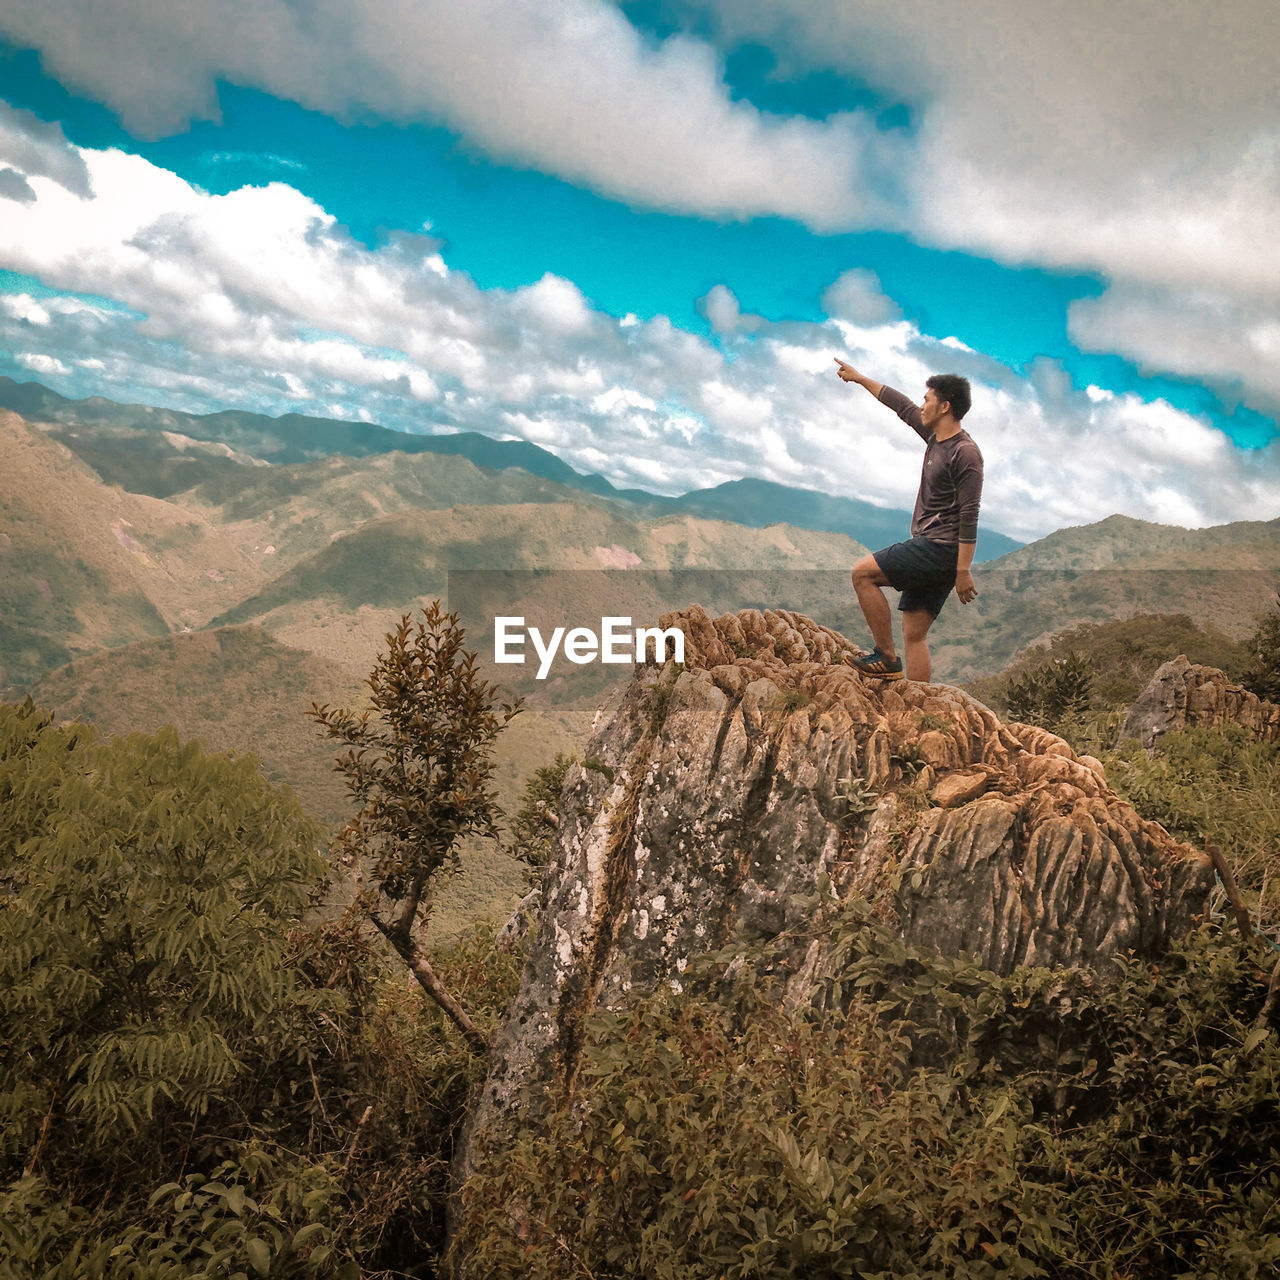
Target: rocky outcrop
[(1184, 695), (723, 799)]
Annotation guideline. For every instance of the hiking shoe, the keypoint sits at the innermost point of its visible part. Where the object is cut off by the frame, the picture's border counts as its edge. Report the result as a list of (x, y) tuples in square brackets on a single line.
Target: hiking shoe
[(876, 664)]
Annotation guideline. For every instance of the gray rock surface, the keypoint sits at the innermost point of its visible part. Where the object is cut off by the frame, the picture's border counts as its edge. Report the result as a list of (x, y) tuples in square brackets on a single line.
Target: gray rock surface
[(1184, 695), (720, 798)]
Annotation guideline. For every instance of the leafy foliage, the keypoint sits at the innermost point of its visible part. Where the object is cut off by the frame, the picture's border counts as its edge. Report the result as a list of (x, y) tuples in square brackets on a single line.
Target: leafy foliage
[(419, 768), (1262, 676), (1122, 656), (1218, 786), (1048, 694), (147, 891), (533, 825), (932, 1120), (192, 1081)]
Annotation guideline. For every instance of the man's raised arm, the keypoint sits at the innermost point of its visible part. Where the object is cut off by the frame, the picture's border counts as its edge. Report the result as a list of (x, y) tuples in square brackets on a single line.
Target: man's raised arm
[(849, 374)]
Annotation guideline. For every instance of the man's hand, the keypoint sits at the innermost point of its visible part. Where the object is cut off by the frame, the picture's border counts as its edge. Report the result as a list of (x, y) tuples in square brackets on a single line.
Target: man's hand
[(964, 586), (847, 373)]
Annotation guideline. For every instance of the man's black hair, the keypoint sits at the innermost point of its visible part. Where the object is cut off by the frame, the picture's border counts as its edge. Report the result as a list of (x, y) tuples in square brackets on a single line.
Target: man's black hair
[(954, 389)]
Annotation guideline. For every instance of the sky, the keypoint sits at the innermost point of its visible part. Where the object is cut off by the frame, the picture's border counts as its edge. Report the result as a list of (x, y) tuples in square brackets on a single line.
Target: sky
[(636, 233)]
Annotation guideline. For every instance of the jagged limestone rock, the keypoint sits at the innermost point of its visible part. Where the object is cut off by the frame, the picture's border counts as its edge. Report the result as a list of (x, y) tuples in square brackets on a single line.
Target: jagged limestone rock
[(1184, 695), (721, 799)]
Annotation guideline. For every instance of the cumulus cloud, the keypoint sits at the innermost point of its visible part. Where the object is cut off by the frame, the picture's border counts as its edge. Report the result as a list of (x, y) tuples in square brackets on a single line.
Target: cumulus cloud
[(1231, 342), (1139, 140), (571, 88), (1136, 141), (724, 313), (31, 147), (856, 296), (1155, 116), (40, 363), (259, 299)]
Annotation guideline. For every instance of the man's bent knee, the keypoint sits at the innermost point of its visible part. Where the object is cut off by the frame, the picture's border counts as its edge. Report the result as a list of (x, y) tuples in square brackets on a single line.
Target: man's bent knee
[(869, 572)]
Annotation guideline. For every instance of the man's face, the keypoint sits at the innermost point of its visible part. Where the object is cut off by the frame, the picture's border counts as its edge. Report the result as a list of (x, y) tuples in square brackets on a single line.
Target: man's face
[(932, 409)]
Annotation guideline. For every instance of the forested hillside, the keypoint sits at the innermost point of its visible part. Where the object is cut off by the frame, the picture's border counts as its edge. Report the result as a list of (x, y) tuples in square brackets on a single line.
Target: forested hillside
[(201, 1077)]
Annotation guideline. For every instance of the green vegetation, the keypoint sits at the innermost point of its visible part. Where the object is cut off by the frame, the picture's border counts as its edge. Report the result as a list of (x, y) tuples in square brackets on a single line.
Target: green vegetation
[(193, 1081), (1213, 786), (419, 766), (534, 823), (1048, 694), (927, 1120), (1120, 657), (197, 1079), (1262, 675), (788, 701), (862, 798), (1203, 786)]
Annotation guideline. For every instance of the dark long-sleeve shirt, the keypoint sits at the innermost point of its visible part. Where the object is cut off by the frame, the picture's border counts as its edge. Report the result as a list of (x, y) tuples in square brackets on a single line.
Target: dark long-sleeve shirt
[(950, 480)]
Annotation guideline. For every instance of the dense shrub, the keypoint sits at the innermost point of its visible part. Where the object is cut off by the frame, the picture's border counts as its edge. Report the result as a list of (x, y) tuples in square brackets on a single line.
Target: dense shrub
[(533, 824), (1048, 694), (1122, 656), (1262, 675), (933, 1121), (1215, 785), (148, 891), (194, 1080)]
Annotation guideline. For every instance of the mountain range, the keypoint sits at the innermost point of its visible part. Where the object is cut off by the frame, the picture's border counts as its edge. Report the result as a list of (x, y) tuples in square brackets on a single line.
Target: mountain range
[(140, 439), (222, 572)]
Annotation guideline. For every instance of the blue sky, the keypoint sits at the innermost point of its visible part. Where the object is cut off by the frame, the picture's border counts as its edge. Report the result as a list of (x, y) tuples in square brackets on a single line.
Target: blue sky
[(636, 233)]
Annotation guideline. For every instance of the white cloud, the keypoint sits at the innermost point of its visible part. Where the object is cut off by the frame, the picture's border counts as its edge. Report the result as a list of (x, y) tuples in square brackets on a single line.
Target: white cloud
[(736, 411), (258, 299), (1139, 141), (570, 87), (1160, 118), (1213, 337), (38, 362), (724, 314), (857, 297), (556, 304)]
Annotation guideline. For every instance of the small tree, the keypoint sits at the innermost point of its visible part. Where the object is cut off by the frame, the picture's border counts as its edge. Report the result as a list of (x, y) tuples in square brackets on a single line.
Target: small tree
[(1051, 692), (1263, 676), (534, 824), (147, 894), (419, 770)]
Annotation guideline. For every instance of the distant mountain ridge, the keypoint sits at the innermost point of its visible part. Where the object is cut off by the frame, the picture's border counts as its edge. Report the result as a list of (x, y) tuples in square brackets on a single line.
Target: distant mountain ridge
[(757, 502), (149, 576), (1142, 544), (121, 524), (295, 438)]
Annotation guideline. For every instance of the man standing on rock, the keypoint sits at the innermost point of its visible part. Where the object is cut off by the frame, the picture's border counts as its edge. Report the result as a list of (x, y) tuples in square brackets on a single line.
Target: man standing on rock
[(944, 528)]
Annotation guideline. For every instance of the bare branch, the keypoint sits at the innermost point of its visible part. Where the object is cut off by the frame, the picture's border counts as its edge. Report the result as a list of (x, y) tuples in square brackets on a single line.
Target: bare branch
[(1233, 890)]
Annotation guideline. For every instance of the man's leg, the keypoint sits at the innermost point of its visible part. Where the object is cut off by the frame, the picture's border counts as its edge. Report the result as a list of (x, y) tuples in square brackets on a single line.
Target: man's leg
[(915, 629), (868, 579)]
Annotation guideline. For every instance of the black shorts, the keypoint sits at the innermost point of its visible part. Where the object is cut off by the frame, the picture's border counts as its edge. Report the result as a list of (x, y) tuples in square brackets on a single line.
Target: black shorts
[(924, 571)]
